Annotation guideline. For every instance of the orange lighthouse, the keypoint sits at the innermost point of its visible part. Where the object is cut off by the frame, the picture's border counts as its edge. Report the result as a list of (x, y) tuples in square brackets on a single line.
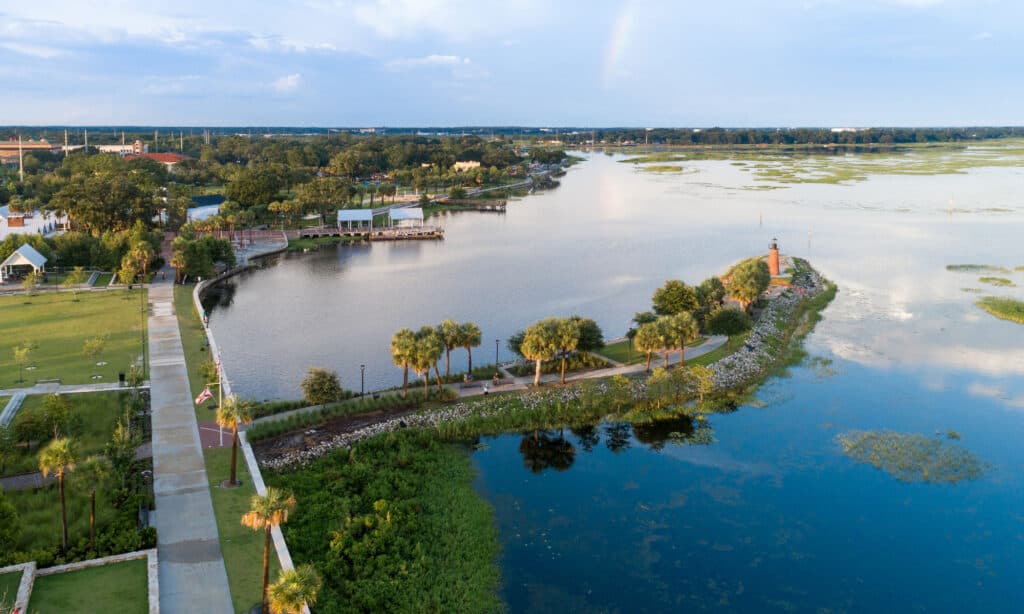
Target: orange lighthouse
[(773, 258)]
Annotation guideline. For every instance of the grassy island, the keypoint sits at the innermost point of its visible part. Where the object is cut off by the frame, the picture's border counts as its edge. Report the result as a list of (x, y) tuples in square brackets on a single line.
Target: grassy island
[(1003, 308)]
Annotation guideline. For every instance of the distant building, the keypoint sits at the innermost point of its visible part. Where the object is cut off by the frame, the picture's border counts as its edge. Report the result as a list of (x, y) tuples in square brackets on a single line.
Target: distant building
[(167, 159), (10, 146), (466, 166), (125, 149)]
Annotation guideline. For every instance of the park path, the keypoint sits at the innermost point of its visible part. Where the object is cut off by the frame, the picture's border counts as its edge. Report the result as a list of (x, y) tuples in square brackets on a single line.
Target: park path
[(192, 573), (56, 388), (512, 382)]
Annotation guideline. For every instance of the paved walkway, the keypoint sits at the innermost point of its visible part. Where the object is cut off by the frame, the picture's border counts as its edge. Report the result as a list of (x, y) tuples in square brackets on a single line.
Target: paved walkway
[(56, 388), (192, 573)]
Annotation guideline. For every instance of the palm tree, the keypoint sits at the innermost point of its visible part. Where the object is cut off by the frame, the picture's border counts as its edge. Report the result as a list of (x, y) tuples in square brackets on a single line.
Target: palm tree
[(540, 343), (293, 589), (429, 348), (567, 338), (266, 512), (647, 340), (59, 458), (686, 330), (668, 335), (232, 412), (403, 351), (142, 253), (93, 471), (450, 333), (469, 339)]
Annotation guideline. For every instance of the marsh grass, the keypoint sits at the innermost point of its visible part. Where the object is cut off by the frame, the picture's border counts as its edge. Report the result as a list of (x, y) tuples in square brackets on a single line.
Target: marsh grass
[(911, 457), (976, 268), (1003, 308), (997, 281)]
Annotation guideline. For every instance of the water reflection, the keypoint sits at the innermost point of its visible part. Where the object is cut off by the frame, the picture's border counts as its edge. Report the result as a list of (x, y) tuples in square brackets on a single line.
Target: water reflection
[(543, 450)]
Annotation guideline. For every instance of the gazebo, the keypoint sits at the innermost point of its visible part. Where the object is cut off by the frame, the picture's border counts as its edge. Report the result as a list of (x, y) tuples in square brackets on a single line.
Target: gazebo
[(412, 214), (355, 218), (24, 256)]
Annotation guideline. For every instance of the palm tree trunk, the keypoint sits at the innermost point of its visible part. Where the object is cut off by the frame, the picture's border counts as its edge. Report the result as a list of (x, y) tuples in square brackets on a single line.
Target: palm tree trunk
[(664, 354), (234, 453), (426, 384), (682, 354), (648, 362), (469, 351), (437, 372), (266, 567), (447, 360), (63, 513), (563, 367), (92, 520), (536, 377), (405, 381)]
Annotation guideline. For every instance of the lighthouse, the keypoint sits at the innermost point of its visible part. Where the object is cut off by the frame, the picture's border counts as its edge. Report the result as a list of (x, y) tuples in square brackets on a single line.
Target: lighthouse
[(773, 258)]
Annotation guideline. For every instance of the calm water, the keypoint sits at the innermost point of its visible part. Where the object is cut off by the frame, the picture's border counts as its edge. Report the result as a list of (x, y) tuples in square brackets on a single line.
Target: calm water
[(771, 516)]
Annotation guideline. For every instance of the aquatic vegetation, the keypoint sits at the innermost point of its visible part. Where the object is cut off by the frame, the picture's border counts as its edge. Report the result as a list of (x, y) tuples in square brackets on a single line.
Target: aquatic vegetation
[(662, 168), (997, 281), (976, 268), (912, 457), (1003, 308), (972, 290)]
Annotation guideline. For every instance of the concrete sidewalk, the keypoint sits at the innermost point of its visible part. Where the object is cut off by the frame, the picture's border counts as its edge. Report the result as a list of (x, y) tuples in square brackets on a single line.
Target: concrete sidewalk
[(67, 388), (192, 573)]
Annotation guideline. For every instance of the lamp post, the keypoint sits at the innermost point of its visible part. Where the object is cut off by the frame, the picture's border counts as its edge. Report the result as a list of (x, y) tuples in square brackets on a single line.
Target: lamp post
[(362, 380), (142, 325), (496, 341)]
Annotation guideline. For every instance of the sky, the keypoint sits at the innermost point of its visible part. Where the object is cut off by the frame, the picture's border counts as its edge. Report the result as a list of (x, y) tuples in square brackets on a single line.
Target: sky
[(513, 62)]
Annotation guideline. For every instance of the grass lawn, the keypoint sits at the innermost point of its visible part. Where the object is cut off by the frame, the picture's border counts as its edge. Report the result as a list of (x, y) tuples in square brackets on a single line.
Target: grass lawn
[(735, 342), (624, 352), (242, 547), (103, 280), (9, 589), (96, 415), (193, 339), (121, 588), (58, 324)]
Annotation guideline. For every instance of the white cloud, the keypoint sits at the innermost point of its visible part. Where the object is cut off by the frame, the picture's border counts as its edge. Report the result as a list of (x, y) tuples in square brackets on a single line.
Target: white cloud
[(37, 51), (427, 61), (288, 83)]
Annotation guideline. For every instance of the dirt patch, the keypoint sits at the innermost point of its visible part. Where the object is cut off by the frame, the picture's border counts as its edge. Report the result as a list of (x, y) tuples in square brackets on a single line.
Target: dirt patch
[(308, 437)]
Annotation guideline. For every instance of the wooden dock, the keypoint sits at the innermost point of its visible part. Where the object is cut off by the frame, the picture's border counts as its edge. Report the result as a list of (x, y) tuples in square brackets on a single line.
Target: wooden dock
[(383, 233), (478, 205)]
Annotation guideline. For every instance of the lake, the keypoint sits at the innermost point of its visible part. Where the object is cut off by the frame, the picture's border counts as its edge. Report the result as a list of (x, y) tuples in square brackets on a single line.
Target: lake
[(771, 515)]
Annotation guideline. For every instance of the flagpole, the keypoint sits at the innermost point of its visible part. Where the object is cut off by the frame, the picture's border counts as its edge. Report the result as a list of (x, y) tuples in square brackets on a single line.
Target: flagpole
[(220, 396)]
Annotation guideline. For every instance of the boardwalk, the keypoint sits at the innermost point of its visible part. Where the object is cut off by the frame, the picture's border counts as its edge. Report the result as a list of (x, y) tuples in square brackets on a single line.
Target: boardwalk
[(192, 573)]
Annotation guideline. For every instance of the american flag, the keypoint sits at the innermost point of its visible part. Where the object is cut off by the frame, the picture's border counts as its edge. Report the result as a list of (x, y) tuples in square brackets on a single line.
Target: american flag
[(205, 394)]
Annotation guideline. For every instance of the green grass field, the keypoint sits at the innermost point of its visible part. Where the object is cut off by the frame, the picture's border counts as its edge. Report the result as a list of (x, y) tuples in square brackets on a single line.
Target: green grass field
[(242, 548), (95, 414), (624, 352), (57, 326), (8, 589), (121, 588), (193, 339), (103, 280)]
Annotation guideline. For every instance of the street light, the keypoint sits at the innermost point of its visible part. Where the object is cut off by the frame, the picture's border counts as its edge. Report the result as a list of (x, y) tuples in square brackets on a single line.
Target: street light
[(362, 380), (142, 325), (496, 355)]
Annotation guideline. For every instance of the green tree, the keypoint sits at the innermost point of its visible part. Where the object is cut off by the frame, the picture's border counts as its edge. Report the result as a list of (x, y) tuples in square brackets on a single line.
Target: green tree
[(7, 449), (749, 279), (429, 348), (450, 334), (93, 472), (59, 458), (469, 338), (75, 278), (23, 358), (703, 380), (685, 330), (120, 450), (94, 346), (567, 339), (674, 297), (57, 414), (728, 321), (294, 589), (647, 341), (142, 253), (265, 513), (710, 293), (591, 335), (321, 387), (254, 186), (540, 343), (231, 413), (31, 281), (403, 354)]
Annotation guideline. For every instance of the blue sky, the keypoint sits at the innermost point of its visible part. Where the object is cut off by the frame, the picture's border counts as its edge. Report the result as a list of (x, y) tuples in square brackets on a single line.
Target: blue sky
[(513, 62)]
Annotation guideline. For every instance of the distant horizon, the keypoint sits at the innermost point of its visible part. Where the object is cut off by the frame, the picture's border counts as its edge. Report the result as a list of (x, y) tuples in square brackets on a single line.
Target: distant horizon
[(483, 127)]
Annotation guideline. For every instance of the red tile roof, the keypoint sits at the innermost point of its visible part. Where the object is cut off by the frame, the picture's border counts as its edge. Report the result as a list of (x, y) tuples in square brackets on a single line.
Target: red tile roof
[(164, 158)]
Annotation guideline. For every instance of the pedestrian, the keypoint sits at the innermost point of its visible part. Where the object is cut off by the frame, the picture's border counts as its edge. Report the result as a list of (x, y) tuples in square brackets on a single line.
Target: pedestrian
[(486, 391)]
